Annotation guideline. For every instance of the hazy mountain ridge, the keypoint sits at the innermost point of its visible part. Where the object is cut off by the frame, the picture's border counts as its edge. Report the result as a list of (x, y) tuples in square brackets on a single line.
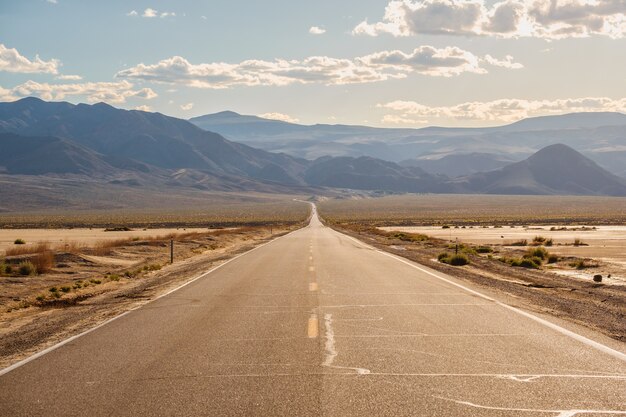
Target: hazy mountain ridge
[(556, 169), (594, 134), (99, 143)]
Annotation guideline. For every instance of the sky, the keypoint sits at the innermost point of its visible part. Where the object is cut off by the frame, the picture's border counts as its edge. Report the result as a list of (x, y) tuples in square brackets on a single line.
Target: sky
[(398, 63)]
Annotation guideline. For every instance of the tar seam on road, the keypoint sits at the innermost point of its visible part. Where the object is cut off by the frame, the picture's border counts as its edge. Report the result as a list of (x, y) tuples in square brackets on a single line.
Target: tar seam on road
[(66, 341), (599, 346)]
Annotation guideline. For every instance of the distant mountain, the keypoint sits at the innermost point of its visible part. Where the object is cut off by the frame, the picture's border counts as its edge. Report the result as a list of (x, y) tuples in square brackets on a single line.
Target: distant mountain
[(567, 121), (457, 165), (48, 155), (231, 123), (594, 134), (556, 169), (367, 173), (97, 146), (152, 139)]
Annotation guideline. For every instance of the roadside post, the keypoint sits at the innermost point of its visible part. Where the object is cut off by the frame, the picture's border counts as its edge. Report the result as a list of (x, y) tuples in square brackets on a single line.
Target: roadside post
[(171, 251)]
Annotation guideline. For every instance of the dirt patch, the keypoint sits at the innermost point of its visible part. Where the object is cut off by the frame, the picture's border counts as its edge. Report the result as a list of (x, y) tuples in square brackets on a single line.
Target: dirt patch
[(603, 246), (597, 306), (90, 289)]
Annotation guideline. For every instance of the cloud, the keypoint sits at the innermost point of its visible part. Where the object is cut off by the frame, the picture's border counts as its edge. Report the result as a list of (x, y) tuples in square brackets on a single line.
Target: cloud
[(381, 66), (549, 19), (428, 60), (316, 30), (12, 61), (279, 116), (150, 13), (52, 1), (110, 92), (143, 108), (69, 77), (507, 62), (187, 106), (503, 110)]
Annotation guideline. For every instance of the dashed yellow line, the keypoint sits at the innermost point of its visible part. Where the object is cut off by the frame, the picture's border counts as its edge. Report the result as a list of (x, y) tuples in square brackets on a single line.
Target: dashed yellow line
[(313, 327)]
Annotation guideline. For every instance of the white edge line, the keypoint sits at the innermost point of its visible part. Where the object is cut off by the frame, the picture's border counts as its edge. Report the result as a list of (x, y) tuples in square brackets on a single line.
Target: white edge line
[(71, 339), (599, 346)]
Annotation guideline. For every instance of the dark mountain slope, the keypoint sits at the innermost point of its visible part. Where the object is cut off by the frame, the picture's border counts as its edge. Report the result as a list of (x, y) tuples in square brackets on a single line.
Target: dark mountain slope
[(151, 138), (49, 155), (556, 169)]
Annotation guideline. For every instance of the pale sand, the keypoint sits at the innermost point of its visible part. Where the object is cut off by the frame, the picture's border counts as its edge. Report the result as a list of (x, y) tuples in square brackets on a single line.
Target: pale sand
[(88, 237)]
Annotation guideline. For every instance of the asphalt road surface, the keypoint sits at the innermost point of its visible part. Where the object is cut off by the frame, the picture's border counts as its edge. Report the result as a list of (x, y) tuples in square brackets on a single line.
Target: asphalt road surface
[(318, 324)]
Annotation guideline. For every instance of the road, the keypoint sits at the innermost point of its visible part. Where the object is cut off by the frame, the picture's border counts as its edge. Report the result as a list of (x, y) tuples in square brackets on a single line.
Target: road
[(318, 324)]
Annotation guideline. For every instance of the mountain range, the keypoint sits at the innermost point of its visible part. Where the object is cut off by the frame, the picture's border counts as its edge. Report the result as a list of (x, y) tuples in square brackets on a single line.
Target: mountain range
[(600, 136), (58, 144)]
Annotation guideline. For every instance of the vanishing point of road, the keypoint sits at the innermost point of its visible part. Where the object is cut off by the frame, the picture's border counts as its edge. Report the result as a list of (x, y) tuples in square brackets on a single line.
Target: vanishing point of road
[(316, 323)]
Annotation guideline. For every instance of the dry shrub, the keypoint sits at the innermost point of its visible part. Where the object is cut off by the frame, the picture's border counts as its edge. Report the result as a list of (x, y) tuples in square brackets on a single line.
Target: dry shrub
[(71, 247), (28, 250), (43, 262), (105, 247)]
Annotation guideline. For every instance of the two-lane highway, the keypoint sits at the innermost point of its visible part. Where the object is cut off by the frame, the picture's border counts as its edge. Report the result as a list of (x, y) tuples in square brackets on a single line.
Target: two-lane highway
[(318, 324)]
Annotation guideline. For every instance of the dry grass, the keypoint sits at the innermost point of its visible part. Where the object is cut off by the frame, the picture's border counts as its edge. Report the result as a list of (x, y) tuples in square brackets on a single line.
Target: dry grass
[(43, 262), (40, 247), (105, 247)]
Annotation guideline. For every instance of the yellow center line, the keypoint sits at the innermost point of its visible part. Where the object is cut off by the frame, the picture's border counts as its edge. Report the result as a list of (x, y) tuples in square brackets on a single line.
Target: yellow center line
[(313, 327)]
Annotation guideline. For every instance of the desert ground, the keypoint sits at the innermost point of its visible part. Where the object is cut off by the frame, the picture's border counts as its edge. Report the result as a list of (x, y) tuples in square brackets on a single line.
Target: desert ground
[(60, 238), (606, 244)]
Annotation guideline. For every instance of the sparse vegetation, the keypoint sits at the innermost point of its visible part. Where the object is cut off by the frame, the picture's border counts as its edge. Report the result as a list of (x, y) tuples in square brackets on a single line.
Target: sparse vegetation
[(409, 237), (522, 242), (538, 252), (484, 249), (458, 259), (19, 242), (553, 259), (26, 268), (582, 264)]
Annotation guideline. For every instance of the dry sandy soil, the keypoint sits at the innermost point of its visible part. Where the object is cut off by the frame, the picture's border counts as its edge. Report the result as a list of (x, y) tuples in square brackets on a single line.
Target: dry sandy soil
[(82, 236), (91, 288), (604, 244)]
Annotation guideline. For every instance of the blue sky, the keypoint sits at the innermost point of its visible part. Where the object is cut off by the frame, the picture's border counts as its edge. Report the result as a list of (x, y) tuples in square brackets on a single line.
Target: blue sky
[(385, 63)]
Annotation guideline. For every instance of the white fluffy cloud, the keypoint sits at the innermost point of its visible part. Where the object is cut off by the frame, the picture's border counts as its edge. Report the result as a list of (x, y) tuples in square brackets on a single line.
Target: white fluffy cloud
[(550, 19), (187, 106), (380, 66), (151, 13), (504, 110), (12, 61), (279, 116), (110, 92), (69, 77), (316, 30)]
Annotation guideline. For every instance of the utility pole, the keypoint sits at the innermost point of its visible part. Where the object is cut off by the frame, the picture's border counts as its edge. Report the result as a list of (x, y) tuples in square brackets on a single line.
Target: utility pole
[(456, 249), (171, 251)]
